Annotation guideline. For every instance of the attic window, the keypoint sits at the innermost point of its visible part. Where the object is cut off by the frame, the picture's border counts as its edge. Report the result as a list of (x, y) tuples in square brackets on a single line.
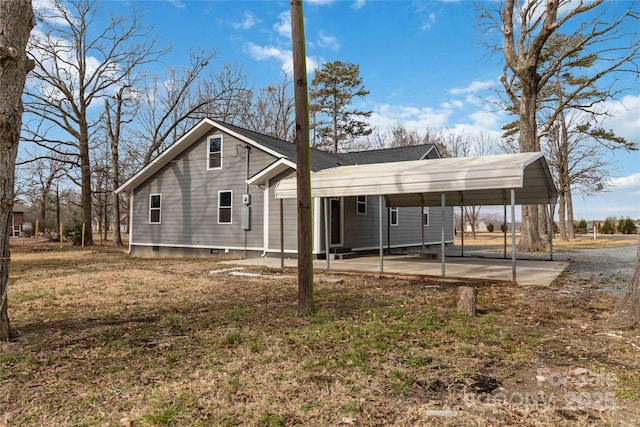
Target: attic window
[(214, 152)]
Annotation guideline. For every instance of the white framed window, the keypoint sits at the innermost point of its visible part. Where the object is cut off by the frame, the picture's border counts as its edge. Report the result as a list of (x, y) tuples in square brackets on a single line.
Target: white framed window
[(425, 216), (214, 152), (361, 205), (155, 208), (225, 206), (393, 212)]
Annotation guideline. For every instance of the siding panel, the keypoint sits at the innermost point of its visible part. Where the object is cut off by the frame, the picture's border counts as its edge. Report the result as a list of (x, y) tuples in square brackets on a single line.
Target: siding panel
[(190, 199)]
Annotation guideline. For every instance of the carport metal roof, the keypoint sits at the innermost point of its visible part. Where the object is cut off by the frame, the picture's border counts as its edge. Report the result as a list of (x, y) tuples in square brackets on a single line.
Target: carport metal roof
[(521, 178), (470, 181)]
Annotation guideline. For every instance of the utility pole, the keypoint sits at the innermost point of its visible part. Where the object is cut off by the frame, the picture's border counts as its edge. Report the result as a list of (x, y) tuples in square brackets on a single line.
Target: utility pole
[(303, 160)]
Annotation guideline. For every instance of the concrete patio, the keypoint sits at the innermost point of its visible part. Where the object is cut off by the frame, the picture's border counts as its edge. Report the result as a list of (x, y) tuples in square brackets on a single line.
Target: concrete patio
[(529, 272)]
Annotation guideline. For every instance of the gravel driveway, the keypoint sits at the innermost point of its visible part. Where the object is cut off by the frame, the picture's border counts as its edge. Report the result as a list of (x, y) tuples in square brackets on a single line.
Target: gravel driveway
[(608, 269)]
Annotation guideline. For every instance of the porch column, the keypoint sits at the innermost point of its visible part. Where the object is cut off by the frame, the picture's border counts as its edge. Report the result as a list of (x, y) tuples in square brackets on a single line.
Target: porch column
[(281, 234), (442, 245), (327, 240), (380, 234)]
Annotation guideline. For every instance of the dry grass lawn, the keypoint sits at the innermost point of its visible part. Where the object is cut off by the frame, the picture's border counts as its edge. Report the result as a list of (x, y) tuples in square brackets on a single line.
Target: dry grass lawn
[(107, 339)]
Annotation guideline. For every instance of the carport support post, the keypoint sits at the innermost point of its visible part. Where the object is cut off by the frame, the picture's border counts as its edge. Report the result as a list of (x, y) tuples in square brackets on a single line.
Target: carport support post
[(513, 236), (380, 234), (442, 245), (327, 242), (504, 205), (422, 224)]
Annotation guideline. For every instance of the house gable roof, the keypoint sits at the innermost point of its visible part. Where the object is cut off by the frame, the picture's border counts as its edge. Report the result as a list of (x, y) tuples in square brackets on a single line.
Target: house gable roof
[(283, 150)]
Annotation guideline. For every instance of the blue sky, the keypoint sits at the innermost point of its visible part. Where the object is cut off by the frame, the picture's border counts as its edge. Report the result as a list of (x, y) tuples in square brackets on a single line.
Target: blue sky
[(421, 61)]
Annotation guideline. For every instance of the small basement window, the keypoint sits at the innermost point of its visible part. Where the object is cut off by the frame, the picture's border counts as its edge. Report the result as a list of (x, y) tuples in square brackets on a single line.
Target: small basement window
[(155, 208)]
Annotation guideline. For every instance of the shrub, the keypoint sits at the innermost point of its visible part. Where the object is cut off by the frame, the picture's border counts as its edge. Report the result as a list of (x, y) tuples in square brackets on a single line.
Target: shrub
[(490, 228), (609, 226), (74, 234), (503, 227), (627, 226)]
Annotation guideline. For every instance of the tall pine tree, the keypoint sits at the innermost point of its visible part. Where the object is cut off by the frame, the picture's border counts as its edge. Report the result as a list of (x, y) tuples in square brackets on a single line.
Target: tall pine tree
[(336, 123)]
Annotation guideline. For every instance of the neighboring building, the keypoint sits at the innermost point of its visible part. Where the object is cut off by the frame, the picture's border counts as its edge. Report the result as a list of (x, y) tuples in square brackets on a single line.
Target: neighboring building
[(16, 228), (212, 192), (481, 227)]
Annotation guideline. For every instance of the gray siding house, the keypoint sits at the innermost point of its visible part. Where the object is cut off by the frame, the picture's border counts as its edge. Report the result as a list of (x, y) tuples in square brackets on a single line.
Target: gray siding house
[(212, 193)]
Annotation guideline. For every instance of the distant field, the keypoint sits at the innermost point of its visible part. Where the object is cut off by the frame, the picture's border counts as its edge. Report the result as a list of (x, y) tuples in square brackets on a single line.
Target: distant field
[(582, 241), (107, 339)]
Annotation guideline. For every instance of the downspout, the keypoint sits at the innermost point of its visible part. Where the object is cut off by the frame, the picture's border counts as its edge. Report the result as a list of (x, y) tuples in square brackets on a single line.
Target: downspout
[(246, 191), (130, 221)]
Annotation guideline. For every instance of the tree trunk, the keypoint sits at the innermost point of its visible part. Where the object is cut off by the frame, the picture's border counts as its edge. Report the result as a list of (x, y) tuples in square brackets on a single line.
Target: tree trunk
[(85, 180), (572, 229), (530, 239), (16, 22), (562, 215), (113, 129), (467, 297), (626, 314)]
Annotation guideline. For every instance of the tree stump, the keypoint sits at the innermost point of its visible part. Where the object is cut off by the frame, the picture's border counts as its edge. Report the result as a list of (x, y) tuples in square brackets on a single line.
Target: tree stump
[(467, 300)]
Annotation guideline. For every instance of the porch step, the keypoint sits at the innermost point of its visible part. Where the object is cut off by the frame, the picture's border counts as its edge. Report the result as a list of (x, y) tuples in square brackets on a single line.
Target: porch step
[(346, 255)]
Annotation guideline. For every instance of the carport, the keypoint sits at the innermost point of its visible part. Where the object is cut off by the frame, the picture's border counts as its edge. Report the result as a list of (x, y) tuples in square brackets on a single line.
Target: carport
[(504, 180)]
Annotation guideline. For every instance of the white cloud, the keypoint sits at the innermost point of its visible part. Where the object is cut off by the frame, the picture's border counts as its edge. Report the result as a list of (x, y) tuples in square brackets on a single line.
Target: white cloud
[(284, 56), (283, 26), (359, 4), (474, 87), (328, 41), (385, 116), (248, 22), (320, 2), (428, 21), (484, 119), (624, 117), (177, 3), (629, 182)]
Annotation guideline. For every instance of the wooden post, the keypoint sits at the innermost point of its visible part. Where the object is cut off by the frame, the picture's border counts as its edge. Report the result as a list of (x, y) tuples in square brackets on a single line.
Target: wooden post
[(303, 160), (467, 300), (83, 231), (37, 231), (60, 235)]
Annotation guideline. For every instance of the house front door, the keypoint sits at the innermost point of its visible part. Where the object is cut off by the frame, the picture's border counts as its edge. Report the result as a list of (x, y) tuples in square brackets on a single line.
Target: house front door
[(336, 222)]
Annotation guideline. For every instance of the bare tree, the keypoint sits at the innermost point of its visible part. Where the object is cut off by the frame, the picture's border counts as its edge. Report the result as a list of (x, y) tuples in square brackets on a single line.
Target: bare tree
[(16, 22), (526, 28), (185, 97), (43, 174), (272, 112), (78, 63)]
